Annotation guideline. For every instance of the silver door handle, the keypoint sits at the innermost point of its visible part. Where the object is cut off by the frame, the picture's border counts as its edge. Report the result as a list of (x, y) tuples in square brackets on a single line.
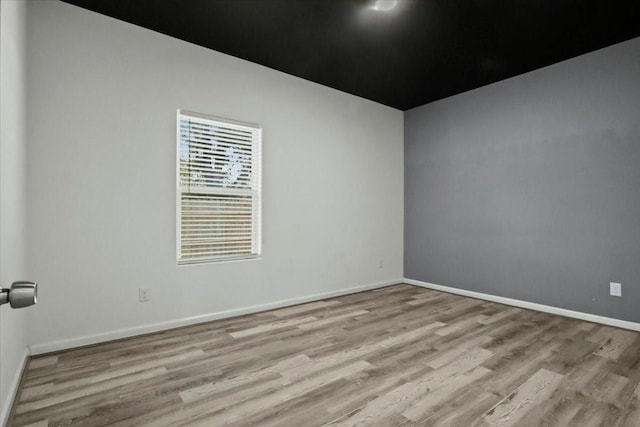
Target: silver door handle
[(21, 294)]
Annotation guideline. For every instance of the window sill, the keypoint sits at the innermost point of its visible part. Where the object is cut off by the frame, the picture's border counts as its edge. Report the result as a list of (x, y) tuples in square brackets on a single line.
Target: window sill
[(209, 261)]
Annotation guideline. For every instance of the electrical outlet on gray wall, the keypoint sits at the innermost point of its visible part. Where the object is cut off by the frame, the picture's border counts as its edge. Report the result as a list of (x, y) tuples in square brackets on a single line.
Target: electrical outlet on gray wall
[(615, 289)]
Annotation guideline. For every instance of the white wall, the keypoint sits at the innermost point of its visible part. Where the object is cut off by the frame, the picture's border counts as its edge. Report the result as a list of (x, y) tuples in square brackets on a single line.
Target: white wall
[(103, 98), (13, 323)]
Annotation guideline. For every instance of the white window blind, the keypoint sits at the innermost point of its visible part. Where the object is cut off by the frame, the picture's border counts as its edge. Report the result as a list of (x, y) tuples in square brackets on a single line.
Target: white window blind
[(218, 189)]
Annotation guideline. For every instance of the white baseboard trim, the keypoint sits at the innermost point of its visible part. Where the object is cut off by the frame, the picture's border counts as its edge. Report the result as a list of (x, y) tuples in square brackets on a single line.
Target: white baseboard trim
[(530, 305), (13, 390), (49, 347)]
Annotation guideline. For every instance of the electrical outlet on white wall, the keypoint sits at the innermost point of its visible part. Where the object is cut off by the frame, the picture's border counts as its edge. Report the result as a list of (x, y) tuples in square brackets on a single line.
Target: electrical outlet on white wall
[(615, 289), (143, 294)]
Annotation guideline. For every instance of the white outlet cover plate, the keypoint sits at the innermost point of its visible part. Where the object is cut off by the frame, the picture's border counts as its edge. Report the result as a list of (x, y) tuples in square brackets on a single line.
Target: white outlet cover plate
[(615, 289)]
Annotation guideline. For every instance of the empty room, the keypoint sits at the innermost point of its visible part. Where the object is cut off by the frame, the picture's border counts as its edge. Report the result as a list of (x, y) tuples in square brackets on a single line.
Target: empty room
[(319, 213)]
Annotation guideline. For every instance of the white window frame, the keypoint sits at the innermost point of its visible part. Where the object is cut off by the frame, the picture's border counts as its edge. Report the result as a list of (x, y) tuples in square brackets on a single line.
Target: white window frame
[(256, 193)]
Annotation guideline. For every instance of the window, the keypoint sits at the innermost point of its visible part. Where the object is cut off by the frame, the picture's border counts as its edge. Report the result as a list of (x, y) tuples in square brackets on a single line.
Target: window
[(218, 189)]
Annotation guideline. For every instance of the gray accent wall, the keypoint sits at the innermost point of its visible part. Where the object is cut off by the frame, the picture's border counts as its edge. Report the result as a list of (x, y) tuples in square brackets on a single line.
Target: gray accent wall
[(530, 188)]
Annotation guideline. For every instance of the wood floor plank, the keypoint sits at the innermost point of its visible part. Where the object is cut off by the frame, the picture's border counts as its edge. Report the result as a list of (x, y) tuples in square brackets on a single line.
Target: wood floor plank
[(441, 395), (287, 393), (615, 344), (43, 423), (362, 351), (443, 357), (457, 326), (30, 393), (42, 362), (62, 386), (461, 409), (402, 397), (333, 319), (261, 329), (510, 410), (395, 356), (199, 392), (304, 308), (83, 391), (501, 316), (559, 412)]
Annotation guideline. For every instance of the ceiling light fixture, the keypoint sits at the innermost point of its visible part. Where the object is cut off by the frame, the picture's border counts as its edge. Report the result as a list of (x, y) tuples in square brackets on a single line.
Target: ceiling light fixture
[(384, 5)]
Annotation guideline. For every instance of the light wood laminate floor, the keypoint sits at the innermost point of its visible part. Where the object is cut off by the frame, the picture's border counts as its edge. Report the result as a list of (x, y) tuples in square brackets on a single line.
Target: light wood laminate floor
[(397, 356)]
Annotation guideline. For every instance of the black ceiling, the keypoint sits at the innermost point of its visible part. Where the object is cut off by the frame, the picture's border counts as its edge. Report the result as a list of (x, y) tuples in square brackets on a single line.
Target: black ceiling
[(420, 51)]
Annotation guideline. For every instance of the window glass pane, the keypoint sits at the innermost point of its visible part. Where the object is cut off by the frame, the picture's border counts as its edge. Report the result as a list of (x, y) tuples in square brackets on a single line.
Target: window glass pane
[(218, 189)]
